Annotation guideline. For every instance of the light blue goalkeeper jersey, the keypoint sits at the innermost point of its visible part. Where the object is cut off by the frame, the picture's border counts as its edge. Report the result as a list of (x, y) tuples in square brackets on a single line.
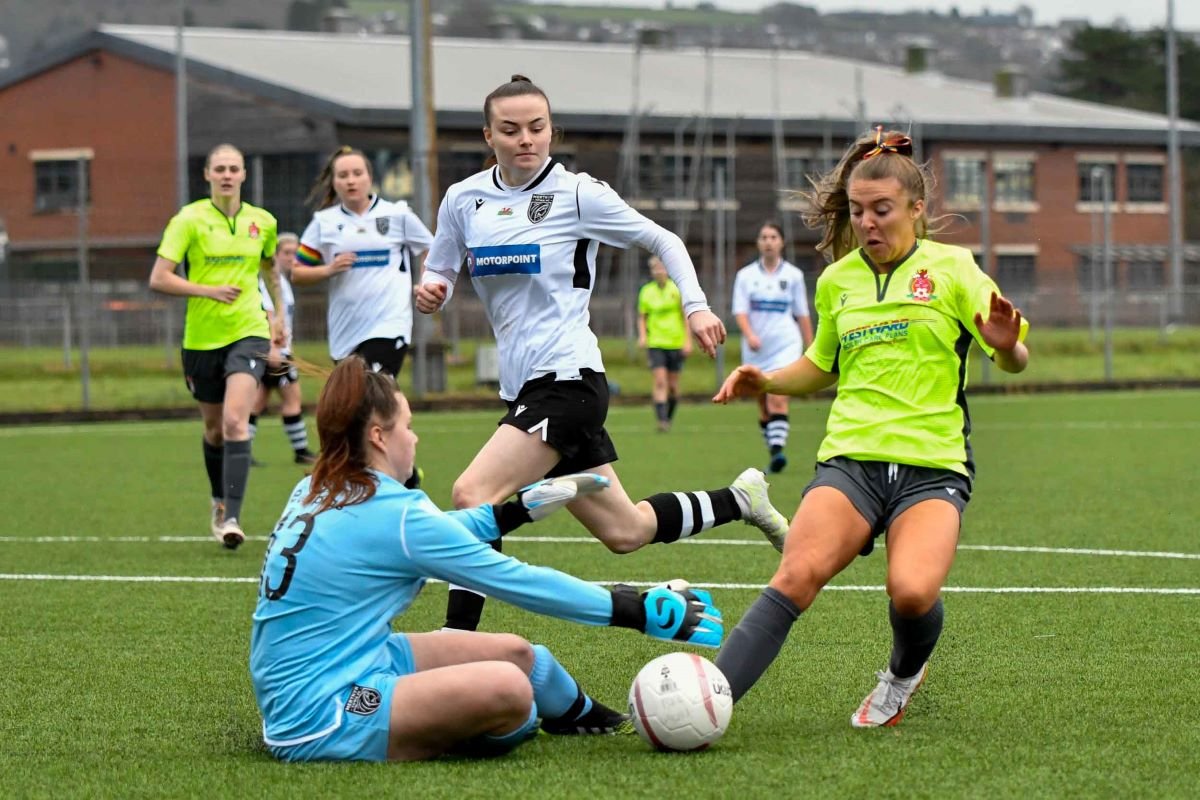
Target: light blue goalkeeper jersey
[(332, 583)]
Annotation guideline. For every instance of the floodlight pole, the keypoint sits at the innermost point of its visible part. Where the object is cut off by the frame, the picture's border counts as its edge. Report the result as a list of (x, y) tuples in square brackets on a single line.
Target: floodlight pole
[(1109, 295), (985, 245), (1173, 169), (181, 112), (422, 134), (85, 285)]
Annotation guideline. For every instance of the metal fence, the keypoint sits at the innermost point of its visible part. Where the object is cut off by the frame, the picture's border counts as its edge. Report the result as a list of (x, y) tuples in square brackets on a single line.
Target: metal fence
[(126, 313)]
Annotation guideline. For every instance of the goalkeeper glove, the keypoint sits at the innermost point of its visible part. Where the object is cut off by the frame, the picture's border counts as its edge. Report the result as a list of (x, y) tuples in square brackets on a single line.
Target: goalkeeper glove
[(673, 611)]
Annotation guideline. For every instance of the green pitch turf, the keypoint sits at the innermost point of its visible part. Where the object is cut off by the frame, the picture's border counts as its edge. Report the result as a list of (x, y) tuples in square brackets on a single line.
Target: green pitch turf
[(1068, 666)]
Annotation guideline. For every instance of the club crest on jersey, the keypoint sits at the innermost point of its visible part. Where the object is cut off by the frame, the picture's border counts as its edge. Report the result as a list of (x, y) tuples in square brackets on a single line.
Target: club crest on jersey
[(382, 224), (253, 231), (921, 287), (539, 207)]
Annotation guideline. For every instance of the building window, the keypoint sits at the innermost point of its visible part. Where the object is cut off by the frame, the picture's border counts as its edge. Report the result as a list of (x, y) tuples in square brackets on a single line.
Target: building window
[(1144, 275), (1091, 181), (1016, 274), (1014, 181), (462, 164), (669, 174), (798, 168), (964, 181), (1144, 183), (56, 184)]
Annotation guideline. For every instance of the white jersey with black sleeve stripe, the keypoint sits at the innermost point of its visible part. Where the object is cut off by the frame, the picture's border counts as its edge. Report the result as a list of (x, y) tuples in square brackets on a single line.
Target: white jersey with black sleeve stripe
[(531, 253)]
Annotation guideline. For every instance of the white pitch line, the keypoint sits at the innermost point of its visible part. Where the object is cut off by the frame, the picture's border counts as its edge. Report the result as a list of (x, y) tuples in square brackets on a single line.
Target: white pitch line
[(149, 428), (700, 584), (999, 548)]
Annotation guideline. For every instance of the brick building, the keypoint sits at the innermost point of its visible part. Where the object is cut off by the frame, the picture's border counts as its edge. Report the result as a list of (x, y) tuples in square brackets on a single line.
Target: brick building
[(1034, 164)]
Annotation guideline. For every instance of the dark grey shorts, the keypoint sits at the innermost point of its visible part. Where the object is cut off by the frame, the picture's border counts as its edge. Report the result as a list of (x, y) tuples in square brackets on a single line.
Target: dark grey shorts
[(672, 360), (205, 371), (882, 491)]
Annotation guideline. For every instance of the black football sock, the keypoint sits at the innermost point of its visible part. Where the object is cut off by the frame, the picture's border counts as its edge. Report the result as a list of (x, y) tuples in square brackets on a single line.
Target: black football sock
[(214, 459), (683, 514), (237, 475), (464, 607), (913, 639)]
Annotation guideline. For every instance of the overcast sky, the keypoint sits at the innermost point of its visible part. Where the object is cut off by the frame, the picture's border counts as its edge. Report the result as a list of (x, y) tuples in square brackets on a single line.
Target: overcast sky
[(1144, 14)]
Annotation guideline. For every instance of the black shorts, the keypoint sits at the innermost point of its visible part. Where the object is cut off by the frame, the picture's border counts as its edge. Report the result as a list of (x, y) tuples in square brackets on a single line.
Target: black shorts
[(205, 371), (569, 415), (882, 491), (277, 377), (671, 359), (384, 355)]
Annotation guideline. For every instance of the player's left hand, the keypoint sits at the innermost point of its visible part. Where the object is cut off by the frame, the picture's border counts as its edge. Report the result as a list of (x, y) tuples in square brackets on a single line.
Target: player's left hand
[(674, 612), (1002, 328), (708, 330)]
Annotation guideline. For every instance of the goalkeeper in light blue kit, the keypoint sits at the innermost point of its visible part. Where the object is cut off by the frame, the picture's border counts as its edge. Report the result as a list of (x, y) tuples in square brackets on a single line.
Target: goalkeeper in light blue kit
[(350, 553)]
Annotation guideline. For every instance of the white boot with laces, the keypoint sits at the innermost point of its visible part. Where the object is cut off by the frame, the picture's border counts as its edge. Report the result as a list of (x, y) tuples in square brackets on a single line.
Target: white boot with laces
[(884, 707)]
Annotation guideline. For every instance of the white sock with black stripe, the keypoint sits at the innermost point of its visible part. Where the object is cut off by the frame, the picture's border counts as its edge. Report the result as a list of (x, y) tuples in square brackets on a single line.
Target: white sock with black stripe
[(684, 514)]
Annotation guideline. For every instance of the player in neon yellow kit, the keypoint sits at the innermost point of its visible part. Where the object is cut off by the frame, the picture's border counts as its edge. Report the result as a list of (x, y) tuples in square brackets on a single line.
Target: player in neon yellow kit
[(662, 330), (225, 244), (897, 315)]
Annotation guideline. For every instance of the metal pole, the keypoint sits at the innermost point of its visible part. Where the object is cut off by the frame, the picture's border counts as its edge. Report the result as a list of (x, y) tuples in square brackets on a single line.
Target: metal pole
[(985, 244), (181, 113), (85, 282), (719, 178), (421, 139), (256, 180), (860, 102), (1095, 262), (630, 258), (781, 181), (66, 331), (1109, 295), (1173, 168)]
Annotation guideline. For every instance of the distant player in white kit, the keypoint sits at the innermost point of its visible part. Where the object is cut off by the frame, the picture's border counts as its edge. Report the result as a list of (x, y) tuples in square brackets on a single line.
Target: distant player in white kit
[(770, 304), (281, 374), (367, 248), (529, 230)]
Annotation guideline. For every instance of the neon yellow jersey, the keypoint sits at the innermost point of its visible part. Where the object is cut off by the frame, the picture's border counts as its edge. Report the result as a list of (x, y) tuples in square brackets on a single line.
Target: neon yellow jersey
[(899, 344), (220, 251), (663, 310)]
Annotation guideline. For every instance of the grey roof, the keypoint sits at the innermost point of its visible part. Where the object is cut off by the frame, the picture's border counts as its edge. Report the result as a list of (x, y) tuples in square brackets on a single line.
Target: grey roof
[(365, 80)]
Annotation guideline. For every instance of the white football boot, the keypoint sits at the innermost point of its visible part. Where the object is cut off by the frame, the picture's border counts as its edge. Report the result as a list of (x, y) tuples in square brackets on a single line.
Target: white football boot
[(543, 498), (750, 488), (216, 520), (884, 707), (232, 535)]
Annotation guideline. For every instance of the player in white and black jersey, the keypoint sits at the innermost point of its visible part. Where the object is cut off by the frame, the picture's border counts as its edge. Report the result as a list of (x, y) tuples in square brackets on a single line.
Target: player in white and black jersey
[(528, 230), (770, 305), (281, 374), (367, 248)]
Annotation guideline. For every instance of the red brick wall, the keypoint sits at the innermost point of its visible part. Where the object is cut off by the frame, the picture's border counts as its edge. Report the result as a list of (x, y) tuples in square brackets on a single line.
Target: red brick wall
[(1057, 225), (125, 112)]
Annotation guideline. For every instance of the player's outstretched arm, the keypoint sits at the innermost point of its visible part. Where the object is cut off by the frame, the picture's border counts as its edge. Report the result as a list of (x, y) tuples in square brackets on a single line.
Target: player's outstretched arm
[(674, 612), (439, 546)]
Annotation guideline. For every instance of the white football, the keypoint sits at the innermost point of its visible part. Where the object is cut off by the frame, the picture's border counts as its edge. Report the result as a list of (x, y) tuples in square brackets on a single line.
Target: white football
[(680, 701)]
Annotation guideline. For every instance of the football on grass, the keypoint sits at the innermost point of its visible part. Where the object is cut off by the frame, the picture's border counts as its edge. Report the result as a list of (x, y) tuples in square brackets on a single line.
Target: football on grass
[(681, 702)]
